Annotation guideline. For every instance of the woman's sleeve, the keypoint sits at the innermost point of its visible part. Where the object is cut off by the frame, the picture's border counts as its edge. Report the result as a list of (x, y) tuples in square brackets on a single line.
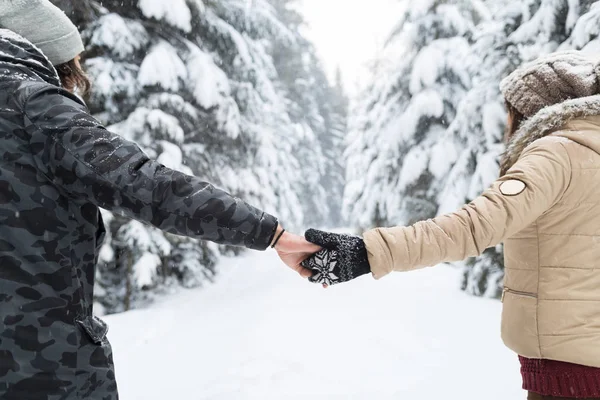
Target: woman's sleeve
[(532, 186), (88, 162)]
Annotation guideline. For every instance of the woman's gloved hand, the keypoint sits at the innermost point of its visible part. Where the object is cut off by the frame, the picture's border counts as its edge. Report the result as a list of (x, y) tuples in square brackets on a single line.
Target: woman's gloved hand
[(342, 259)]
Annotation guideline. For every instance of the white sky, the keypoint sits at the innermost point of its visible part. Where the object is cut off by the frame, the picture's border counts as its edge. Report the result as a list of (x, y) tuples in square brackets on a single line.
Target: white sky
[(349, 33)]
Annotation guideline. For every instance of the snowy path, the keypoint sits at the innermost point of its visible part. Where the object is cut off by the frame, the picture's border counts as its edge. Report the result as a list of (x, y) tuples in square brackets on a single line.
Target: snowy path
[(261, 333)]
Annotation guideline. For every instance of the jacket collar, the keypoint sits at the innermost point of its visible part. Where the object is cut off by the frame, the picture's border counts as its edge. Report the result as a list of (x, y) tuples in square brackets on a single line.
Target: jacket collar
[(551, 119)]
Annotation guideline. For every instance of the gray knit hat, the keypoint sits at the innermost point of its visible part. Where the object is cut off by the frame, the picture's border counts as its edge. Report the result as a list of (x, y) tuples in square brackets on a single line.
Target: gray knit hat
[(550, 80), (44, 25)]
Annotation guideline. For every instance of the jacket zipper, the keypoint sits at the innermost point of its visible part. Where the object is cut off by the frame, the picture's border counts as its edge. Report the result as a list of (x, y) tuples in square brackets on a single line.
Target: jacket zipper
[(518, 293)]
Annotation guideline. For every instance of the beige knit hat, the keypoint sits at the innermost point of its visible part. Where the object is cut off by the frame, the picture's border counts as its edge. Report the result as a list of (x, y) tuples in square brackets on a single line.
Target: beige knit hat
[(44, 25), (550, 80)]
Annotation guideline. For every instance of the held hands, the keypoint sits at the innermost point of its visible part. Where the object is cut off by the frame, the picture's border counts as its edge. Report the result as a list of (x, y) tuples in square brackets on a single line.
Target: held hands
[(322, 257), (342, 259), (293, 250)]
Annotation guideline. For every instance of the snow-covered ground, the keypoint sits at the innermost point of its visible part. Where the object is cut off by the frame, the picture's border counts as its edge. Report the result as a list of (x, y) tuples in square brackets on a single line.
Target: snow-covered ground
[(262, 333)]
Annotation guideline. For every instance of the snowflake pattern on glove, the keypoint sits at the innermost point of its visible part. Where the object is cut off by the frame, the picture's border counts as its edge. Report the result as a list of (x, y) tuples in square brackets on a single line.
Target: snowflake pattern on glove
[(343, 258), (324, 265)]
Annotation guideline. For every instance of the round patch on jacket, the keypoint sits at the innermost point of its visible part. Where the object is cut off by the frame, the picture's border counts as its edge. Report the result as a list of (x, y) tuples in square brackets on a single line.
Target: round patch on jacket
[(512, 187)]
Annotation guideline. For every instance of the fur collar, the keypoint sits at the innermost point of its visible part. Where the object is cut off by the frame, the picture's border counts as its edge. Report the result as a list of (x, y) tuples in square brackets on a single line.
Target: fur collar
[(545, 122)]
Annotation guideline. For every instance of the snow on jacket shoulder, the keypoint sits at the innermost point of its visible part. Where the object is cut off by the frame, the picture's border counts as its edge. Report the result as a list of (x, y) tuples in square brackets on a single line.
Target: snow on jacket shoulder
[(57, 166), (546, 209)]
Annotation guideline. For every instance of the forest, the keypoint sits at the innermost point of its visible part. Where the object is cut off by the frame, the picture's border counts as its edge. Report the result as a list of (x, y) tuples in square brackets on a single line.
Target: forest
[(234, 92)]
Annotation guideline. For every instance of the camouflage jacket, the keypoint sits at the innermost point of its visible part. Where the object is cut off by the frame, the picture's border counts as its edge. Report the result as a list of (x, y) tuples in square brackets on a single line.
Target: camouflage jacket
[(57, 166)]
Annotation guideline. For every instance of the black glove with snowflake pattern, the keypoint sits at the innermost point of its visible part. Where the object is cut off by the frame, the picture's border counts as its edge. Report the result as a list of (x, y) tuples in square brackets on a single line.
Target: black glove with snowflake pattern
[(342, 259)]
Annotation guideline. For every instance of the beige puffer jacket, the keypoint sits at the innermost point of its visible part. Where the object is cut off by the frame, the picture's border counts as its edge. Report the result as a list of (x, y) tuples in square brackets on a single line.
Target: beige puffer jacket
[(547, 211)]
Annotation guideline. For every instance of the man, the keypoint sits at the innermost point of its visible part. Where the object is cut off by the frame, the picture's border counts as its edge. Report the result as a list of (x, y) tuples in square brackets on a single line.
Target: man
[(57, 166)]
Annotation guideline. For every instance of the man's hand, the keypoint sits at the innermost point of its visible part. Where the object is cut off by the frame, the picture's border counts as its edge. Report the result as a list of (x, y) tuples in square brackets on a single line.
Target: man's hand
[(293, 250)]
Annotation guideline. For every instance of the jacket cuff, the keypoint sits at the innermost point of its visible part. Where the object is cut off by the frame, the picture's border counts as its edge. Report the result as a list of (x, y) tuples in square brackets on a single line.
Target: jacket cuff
[(265, 233), (379, 258)]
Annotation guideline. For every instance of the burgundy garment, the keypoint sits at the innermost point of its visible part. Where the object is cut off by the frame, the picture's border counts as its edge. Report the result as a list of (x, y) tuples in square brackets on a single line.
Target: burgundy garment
[(536, 396), (560, 379)]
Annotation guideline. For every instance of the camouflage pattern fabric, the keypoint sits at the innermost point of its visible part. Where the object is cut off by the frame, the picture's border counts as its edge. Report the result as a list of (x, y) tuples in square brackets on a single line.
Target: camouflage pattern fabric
[(57, 166)]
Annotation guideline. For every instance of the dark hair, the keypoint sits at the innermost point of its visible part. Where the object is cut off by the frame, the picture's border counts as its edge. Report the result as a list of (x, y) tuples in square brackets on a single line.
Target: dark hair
[(515, 119), (74, 78)]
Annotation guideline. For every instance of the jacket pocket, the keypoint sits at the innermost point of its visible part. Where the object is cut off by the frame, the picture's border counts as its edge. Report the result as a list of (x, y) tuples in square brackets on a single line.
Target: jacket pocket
[(517, 293), (95, 328), (520, 323)]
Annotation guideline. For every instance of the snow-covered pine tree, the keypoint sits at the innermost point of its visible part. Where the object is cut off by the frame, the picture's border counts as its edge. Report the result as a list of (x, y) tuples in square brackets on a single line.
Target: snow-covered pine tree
[(396, 157), (319, 112), (335, 173), (465, 155), (194, 82), (583, 25)]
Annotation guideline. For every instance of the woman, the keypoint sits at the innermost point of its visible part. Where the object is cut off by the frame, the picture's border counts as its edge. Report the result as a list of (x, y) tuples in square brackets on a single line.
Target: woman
[(545, 208), (57, 166)]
